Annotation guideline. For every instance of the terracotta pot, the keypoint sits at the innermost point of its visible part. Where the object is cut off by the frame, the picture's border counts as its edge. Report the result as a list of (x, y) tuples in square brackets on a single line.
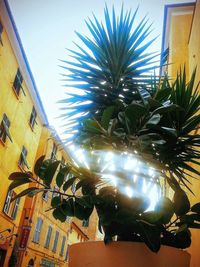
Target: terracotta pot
[(125, 254)]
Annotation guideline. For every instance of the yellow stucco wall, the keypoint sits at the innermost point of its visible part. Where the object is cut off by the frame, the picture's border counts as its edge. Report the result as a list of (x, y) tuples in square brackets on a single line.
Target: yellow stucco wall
[(194, 61), (74, 232), (178, 43), (39, 206), (37, 142), (18, 111), (184, 44)]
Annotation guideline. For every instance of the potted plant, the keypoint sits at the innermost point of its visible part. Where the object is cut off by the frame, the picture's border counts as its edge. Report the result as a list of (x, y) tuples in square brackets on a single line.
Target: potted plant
[(149, 125)]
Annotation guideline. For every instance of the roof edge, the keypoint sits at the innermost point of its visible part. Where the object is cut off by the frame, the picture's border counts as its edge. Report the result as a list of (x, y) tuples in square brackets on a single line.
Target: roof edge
[(25, 60)]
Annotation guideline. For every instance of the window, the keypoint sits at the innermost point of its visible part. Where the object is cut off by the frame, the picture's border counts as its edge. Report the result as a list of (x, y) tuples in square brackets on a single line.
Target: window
[(38, 227), (55, 189), (85, 223), (33, 116), (55, 241), (62, 163), (68, 219), (15, 209), (4, 129), (1, 30), (67, 252), (62, 246), (45, 195), (22, 160), (48, 237), (11, 208), (54, 151), (17, 85)]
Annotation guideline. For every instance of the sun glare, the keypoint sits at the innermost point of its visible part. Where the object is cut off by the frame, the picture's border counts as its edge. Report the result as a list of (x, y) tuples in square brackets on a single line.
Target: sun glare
[(123, 170)]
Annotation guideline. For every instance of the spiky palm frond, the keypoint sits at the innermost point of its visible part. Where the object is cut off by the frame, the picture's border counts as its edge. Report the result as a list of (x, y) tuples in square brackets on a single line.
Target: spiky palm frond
[(113, 66)]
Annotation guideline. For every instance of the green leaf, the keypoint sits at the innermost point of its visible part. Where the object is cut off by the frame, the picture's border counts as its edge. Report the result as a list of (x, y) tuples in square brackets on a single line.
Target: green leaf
[(68, 207), (195, 225), (82, 212), (181, 202), (56, 201), (61, 175), (107, 116), (38, 165), (50, 172), (19, 175), (182, 228), (169, 131), (68, 183), (25, 192), (59, 215), (20, 182), (84, 201), (134, 112), (80, 184), (165, 109), (154, 120), (150, 235), (152, 217), (196, 208), (166, 209), (35, 192), (91, 126)]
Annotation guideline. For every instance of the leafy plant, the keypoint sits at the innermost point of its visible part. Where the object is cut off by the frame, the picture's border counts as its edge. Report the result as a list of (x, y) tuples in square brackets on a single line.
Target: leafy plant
[(125, 109)]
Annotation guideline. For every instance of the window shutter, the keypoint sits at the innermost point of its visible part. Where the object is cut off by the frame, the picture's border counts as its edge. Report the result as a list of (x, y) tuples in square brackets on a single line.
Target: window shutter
[(66, 255), (48, 237), (6, 127), (38, 227), (18, 82), (7, 202), (1, 30), (55, 241), (63, 245), (16, 207), (23, 156)]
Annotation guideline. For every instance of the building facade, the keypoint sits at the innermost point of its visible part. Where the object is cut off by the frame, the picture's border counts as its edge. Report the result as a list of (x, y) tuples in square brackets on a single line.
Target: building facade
[(21, 120), (29, 235), (181, 34)]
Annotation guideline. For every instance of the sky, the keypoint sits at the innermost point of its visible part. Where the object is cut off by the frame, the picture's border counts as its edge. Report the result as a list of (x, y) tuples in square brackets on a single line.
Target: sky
[(47, 28)]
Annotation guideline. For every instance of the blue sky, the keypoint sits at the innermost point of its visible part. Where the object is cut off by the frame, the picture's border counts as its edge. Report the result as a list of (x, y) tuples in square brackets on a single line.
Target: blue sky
[(47, 28)]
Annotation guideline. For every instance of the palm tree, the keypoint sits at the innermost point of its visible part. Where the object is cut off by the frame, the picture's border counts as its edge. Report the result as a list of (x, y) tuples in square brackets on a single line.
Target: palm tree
[(122, 105)]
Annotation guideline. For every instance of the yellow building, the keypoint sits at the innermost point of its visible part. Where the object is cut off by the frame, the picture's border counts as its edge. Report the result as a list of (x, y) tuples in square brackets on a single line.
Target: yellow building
[(28, 233), (49, 238), (181, 33), (21, 120)]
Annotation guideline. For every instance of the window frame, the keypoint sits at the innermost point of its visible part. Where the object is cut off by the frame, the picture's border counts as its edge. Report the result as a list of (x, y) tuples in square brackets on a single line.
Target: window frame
[(17, 84), (11, 208), (4, 129), (55, 242), (1, 31), (48, 236), (63, 245), (62, 163), (37, 231), (45, 196), (54, 151), (33, 116), (22, 159), (67, 253), (85, 223)]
